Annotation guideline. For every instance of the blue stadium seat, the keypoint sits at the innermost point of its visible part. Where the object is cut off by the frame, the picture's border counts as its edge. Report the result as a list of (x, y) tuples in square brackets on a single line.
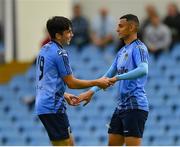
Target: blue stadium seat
[(163, 86), (163, 140), (31, 74)]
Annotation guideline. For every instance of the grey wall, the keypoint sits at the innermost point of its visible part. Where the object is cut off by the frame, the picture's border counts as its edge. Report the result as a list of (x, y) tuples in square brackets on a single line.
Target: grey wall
[(1, 10)]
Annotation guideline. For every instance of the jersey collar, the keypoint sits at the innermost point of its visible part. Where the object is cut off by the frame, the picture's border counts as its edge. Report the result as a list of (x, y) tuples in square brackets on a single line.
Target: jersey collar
[(127, 45), (59, 45), (132, 42)]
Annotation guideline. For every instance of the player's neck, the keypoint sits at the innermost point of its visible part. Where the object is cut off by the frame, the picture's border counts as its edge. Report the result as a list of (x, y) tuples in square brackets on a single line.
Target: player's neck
[(59, 42), (130, 38)]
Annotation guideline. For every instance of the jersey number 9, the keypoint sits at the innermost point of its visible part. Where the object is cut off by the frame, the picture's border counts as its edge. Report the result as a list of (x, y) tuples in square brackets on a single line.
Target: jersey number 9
[(41, 66)]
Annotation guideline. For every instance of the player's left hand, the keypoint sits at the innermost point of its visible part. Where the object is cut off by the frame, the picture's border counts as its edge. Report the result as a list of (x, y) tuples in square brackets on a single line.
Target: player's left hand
[(86, 96), (71, 99)]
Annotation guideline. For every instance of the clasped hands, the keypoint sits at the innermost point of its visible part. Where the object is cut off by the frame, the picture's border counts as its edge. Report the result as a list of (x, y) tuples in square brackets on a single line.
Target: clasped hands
[(102, 83)]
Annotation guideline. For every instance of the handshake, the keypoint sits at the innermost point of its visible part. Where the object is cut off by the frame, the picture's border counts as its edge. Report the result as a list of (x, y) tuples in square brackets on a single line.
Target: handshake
[(105, 82), (102, 83)]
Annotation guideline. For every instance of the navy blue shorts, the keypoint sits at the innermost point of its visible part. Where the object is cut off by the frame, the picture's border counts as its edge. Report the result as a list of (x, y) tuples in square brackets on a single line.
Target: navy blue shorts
[(129, 123), (57, 125)]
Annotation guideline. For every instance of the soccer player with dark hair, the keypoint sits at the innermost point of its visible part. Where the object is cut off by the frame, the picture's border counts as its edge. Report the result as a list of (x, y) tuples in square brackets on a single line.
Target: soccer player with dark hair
[(52, 75), (131, 65)]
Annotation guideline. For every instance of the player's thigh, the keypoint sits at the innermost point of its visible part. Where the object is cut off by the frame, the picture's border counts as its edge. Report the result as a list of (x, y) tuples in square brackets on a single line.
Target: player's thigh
[(58, 128), (133, 141), (115, 140), (71, 140), (65, 142), (134, 122), (115, 130)]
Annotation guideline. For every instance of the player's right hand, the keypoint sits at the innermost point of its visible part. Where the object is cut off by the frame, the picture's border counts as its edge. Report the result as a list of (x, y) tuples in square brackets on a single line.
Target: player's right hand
[(71, 99), (104, 82), (113, 79)]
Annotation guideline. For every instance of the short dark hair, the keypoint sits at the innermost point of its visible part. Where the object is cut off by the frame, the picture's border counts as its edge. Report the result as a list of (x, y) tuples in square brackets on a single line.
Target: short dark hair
[(131, 17), (58, 24)]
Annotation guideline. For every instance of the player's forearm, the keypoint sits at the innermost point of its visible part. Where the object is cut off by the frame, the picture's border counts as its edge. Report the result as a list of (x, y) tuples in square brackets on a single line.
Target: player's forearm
[(110, 73), (140, 71), (80, 84)]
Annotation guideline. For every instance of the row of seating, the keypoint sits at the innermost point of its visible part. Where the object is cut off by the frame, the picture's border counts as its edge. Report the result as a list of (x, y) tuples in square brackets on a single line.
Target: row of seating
[(20, 126)]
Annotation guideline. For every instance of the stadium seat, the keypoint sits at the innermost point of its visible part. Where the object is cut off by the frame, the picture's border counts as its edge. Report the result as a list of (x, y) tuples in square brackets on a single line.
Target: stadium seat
[(163, 87)]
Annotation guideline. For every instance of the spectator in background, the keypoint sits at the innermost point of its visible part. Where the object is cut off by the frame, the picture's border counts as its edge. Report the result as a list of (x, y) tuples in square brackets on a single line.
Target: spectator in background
[(150, 12), (157, 36), (1, 44), (46, 39), (172, 20), (80, 28), (103, 29), (1, 37)]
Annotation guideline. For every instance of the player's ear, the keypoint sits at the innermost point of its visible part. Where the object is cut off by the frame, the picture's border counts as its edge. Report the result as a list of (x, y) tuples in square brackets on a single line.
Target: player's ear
[(58, 36), (131, 27)]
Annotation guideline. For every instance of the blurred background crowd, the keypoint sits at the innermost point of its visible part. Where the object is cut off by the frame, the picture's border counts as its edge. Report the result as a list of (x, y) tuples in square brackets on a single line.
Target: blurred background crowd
[(159, 34), (92, 50)]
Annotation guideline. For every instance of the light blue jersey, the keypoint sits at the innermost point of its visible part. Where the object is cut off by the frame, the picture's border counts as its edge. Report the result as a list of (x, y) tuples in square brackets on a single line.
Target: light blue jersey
[(131, 93), (51, 66), (131, 65)]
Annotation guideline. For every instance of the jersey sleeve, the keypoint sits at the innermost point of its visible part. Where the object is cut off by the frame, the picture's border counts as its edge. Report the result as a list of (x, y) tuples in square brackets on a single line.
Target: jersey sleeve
[(140, 55), (110, 73), (62, 63), (112, 70)]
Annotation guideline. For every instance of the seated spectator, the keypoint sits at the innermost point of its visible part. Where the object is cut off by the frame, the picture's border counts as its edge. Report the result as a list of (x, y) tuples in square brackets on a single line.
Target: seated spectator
[(172, 20), (103, 29), (80, 28), (150, 11), (157, 36)]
